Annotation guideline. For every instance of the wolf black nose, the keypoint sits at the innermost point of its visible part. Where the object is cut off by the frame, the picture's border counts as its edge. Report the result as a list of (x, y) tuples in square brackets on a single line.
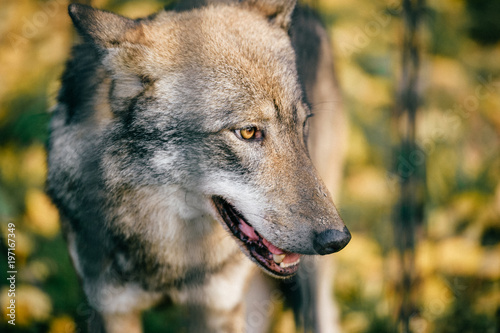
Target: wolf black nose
[(331, 240)]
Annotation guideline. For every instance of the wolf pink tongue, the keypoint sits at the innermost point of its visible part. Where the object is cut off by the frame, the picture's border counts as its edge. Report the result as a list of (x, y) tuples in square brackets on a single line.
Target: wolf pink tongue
[(248, 230), (291, 258), (272, 248)]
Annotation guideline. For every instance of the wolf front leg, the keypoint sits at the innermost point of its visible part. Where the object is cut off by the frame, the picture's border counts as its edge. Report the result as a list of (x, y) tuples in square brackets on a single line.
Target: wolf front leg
[(115, 323), (118, 308), (217, 305), (212, 320)]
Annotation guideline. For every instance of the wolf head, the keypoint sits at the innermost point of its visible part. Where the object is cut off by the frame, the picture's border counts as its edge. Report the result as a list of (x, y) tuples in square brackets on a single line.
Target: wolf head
[(209, 100)]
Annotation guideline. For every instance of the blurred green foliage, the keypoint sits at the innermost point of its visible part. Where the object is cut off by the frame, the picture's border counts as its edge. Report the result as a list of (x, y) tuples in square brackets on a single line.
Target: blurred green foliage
[(457, 257)]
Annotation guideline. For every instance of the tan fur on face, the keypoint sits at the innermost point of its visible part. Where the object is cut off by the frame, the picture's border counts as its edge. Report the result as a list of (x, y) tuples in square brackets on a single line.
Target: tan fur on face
[(211, 39)]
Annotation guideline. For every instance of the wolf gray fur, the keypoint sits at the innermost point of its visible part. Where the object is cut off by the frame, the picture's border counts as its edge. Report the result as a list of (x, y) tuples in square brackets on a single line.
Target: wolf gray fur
[(178, 151)]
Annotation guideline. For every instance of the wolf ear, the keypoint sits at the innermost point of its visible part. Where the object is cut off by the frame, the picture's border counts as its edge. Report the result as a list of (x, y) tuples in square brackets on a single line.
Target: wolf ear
[(105, 31), (277, 11), (102, 28)]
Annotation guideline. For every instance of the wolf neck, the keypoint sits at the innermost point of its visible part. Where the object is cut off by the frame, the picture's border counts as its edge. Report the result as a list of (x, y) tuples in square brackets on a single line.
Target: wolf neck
[(170, 222)]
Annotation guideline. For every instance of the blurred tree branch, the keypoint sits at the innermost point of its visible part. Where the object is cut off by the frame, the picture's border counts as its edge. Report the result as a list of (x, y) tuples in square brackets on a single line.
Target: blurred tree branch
[(410, 162)]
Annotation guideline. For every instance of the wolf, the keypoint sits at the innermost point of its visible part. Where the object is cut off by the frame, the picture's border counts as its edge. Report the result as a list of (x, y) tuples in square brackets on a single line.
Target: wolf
[(178, 159)]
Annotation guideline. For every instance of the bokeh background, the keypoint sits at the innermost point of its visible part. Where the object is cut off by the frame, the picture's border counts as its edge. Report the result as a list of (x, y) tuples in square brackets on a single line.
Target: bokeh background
[(455, 262)]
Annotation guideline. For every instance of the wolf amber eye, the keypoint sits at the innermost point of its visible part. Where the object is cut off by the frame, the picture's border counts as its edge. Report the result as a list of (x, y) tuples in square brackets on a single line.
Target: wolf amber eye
[(248, 133)]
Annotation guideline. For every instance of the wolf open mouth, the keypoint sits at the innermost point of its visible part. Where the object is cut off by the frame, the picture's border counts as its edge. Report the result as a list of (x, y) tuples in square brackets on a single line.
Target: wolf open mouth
[(276, 261)]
